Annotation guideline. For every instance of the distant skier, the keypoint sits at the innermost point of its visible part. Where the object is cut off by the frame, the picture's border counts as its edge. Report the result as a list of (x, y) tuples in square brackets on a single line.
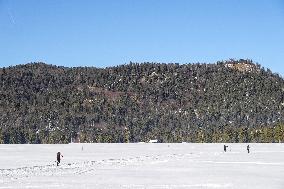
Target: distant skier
[(59, 155), (248, 147), (225, 148)]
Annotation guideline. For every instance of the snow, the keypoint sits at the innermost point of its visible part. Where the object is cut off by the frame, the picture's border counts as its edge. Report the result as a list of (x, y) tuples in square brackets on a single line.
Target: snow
[(142, 165)]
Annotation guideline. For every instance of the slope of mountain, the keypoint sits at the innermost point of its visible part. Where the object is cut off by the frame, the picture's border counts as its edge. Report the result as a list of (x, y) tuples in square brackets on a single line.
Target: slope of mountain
[(230, 101)]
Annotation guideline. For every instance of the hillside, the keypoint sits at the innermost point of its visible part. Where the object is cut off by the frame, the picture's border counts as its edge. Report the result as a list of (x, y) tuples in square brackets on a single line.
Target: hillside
[(230, 101)]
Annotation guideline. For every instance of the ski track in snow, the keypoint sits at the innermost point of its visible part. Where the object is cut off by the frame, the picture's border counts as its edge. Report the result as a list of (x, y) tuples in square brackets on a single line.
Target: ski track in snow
[(84, 167), (173, 186)]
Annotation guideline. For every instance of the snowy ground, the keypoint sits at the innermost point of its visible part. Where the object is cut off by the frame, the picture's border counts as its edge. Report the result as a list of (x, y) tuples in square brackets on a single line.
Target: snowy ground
[(154, 166)]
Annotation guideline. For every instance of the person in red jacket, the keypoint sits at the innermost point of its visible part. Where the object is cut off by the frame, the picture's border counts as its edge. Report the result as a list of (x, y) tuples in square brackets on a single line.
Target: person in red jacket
[(59, 155)]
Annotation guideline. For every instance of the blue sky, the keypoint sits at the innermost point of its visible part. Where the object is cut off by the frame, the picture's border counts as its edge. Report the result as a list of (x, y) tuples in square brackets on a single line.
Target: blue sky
[(113, 32)]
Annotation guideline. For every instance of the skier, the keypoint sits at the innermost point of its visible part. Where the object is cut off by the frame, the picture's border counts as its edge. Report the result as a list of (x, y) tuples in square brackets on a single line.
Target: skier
[(59, 155), (248, 148), (225, 148)]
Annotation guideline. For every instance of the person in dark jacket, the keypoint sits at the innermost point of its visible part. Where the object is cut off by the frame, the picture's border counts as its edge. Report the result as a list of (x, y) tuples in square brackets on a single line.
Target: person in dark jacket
[(59, 155), (225, 148), (248, 147)]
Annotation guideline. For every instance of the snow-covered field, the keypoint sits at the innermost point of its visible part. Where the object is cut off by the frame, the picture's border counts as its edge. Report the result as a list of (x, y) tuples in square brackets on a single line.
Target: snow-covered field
[(142, 165)]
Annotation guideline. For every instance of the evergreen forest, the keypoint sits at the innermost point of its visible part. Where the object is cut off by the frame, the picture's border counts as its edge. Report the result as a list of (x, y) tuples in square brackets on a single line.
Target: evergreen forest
[(228, 101)]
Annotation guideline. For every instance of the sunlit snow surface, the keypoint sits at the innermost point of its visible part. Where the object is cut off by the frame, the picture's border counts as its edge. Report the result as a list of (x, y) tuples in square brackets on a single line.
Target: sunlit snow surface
[(138, 166)]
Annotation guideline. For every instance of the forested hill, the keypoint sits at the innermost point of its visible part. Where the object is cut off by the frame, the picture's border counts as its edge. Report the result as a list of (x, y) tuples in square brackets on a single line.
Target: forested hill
[(230, 101)]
